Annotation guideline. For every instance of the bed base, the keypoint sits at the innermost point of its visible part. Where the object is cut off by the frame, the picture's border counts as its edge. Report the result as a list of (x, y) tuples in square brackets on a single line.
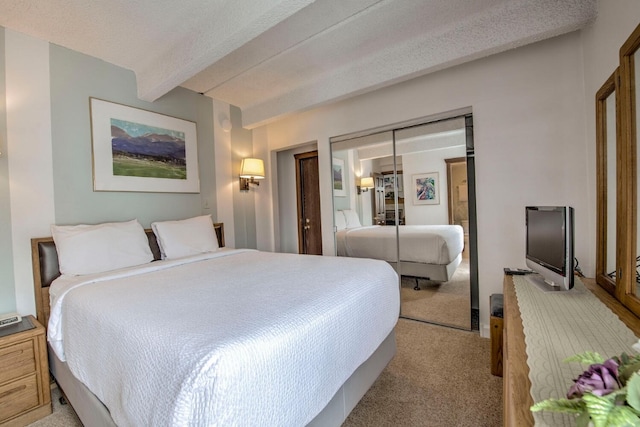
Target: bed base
[(92, 411), (433, 272), (87, 406)]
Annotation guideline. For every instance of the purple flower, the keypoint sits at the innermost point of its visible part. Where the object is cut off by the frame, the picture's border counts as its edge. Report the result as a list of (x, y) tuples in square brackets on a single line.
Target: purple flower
[(599, 379)]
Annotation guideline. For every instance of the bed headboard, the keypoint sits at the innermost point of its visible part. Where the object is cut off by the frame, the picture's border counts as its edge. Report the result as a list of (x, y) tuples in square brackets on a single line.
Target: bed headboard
[(44, 258)]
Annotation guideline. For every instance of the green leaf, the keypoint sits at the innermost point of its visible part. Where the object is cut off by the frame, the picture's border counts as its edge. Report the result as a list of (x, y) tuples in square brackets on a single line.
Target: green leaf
[(571, 406), (633, 391), (586, 358), (599, 407), (622, 416), (626, 371), (583, 420)]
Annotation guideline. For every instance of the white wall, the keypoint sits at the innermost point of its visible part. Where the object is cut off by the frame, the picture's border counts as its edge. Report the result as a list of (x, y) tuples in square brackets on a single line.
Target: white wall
[(226, 186), (29, 155), (7, 287), (529, 129)]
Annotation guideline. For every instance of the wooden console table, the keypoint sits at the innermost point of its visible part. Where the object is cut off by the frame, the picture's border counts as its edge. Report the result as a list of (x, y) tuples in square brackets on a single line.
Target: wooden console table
[(517, 386)]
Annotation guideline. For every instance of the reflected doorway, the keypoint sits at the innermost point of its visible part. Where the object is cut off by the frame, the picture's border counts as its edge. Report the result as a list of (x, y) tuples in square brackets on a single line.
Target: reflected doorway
[(458, 196)]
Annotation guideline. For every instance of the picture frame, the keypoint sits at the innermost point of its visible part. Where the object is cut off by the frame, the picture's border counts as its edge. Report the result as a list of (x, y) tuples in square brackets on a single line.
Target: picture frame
[(426, 189), (137, 150), (339, 178)]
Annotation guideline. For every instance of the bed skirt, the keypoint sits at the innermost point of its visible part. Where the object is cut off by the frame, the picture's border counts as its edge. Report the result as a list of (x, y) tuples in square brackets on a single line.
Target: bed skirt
[(92, 412)]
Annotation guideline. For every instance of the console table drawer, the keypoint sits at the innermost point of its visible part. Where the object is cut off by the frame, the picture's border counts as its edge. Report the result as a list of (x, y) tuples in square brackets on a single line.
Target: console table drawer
[(18, 396), (17, 360)]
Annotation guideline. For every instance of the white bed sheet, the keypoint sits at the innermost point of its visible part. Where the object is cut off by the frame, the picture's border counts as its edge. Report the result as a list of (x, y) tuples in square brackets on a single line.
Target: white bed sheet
[(429, 244), (236, 337)]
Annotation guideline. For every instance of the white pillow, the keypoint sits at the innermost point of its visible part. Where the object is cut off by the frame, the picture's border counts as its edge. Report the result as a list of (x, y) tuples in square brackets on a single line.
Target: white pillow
[(352, 218), (341, 222), (87, 249), (192, 236)]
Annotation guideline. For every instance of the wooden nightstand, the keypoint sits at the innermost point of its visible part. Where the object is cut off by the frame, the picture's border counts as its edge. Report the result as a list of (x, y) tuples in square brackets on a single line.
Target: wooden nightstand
[(25, 395)]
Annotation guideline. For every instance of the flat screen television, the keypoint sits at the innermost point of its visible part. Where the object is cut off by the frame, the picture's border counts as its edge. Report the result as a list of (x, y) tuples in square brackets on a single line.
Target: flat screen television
[(549, 246)]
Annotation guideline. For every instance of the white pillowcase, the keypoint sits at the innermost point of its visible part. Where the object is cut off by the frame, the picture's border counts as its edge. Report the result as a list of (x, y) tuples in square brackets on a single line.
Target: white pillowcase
[(352, 218), (88, 249), (186, 237), (341, 222)]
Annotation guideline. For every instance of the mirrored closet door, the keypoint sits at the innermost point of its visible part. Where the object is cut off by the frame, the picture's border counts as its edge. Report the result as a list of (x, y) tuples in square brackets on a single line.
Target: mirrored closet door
[(402, 196)]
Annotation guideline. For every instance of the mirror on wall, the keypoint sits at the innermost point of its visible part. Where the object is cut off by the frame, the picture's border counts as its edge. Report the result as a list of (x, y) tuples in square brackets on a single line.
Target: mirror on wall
[(402, 196), (606, 171), (627, 289), (627, 136)]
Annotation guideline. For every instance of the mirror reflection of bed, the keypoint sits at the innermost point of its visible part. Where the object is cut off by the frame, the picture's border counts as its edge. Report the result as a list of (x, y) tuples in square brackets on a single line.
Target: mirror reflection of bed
[(429, 247)]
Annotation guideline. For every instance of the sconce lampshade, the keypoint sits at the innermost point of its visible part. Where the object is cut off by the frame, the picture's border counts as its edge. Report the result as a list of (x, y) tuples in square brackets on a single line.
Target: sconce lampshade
[(366, 182), (252, 168)]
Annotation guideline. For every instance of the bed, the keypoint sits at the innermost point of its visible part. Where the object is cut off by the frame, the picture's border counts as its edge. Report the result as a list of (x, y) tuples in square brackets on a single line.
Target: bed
[(433, 252), (168, 343)]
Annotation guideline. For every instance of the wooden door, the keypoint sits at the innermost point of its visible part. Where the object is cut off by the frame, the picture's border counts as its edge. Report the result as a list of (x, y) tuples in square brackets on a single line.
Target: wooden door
[(308, 188)]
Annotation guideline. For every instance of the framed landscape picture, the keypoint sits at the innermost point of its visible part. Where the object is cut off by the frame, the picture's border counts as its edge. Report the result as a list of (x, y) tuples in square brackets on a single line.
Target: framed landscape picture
[(339, 178), (426, 189), (138, 150)]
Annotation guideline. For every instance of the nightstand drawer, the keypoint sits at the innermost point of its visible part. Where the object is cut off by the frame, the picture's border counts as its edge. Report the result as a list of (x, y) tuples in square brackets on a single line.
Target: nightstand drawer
[(17, 360), (18, 396)]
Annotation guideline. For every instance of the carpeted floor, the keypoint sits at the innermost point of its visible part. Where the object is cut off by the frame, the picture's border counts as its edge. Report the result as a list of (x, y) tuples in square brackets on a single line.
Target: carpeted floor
[(62, 416), (439, 377), (447, 303)]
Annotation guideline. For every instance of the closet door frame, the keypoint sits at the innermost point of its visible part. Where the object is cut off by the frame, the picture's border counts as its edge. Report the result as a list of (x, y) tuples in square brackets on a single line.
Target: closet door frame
[(465, 113)]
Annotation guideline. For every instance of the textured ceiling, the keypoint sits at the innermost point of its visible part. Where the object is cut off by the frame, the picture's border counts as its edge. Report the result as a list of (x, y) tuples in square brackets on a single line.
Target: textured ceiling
[(275, 57)]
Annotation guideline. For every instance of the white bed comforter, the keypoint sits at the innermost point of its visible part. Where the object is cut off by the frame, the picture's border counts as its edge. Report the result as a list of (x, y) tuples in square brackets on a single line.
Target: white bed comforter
[(429, 244), (236, 337)]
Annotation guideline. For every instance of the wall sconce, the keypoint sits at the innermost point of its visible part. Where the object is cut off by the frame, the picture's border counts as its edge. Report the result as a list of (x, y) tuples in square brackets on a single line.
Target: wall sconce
[(250, 171), (226, 125), (365, 184)]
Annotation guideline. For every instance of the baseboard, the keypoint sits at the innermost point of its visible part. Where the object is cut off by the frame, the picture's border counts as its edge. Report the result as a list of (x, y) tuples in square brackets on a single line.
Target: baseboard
[(485, 331)]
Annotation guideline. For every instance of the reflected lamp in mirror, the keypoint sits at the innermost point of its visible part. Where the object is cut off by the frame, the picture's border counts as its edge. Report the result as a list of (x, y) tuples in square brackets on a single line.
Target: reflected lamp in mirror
[(365, 184), (251, 170)]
